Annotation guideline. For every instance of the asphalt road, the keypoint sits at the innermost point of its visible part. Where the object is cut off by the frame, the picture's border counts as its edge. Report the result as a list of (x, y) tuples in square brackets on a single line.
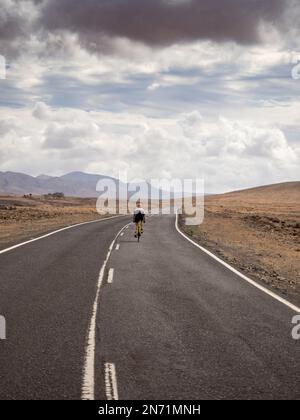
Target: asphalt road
[(47, 290), (173, 323)]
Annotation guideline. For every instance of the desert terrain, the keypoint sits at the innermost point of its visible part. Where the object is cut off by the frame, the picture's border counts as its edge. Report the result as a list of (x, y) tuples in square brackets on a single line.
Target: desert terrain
[(258, 232), (22, 218)]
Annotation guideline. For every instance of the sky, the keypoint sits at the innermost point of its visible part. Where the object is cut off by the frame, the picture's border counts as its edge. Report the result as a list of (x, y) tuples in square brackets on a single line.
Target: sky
[(155, 89)]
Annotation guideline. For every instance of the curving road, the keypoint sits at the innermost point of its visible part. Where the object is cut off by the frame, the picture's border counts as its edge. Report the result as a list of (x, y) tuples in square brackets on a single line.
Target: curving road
[(172, 323)]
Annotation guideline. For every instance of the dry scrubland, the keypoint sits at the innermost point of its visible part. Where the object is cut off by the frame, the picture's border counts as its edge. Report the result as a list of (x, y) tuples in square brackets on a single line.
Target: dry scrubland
[(23, 218), (258, 232)]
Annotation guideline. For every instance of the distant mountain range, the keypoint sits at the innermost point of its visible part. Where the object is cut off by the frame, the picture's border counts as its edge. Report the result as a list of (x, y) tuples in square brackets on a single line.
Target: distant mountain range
[(74, 184), (80, 184)]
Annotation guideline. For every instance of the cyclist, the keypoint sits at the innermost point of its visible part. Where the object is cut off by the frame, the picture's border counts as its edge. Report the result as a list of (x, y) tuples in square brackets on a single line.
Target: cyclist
[(138, 217)]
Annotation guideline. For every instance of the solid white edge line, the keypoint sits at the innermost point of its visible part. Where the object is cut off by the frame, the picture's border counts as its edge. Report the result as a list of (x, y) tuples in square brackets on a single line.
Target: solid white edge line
[(111, 387), (88, 381), (110, 277), (55, 232), (258, 286)]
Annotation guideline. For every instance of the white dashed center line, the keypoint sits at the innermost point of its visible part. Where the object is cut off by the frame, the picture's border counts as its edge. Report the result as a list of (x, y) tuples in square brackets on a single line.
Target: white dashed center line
[(117, 247), (111, 387), (110, 275), (88, 380)]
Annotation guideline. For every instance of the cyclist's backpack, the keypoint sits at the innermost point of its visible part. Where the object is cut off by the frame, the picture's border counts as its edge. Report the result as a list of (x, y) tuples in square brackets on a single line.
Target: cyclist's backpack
[(138, 217)]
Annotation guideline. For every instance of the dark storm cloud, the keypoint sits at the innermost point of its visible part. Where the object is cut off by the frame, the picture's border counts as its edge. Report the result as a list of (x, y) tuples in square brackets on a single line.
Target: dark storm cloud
[(153, 22), (11, 24), (162, 22)]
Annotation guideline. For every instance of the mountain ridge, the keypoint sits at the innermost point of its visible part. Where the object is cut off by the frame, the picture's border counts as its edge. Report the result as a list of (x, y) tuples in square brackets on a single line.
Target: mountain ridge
[(73, 184), (82, 184)]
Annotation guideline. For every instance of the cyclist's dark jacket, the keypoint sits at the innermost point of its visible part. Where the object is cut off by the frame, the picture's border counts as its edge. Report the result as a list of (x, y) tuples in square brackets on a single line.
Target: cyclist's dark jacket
[(138, 217)]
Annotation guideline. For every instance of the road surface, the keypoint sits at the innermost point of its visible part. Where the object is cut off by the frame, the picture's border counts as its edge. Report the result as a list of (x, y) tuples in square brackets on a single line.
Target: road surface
[(172, 323)]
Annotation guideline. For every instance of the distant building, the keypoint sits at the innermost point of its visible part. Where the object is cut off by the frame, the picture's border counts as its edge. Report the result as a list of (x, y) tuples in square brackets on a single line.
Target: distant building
[(55, 196)]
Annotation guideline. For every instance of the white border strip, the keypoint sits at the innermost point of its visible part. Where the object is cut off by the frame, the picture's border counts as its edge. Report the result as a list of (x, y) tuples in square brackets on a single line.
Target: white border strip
[(111, 387), (258, 286), (56, 231), (88, 382)]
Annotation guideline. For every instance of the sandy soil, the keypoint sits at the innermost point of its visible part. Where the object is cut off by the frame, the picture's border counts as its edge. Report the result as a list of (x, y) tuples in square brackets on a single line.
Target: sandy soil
[(258, 232), (22, 218)]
